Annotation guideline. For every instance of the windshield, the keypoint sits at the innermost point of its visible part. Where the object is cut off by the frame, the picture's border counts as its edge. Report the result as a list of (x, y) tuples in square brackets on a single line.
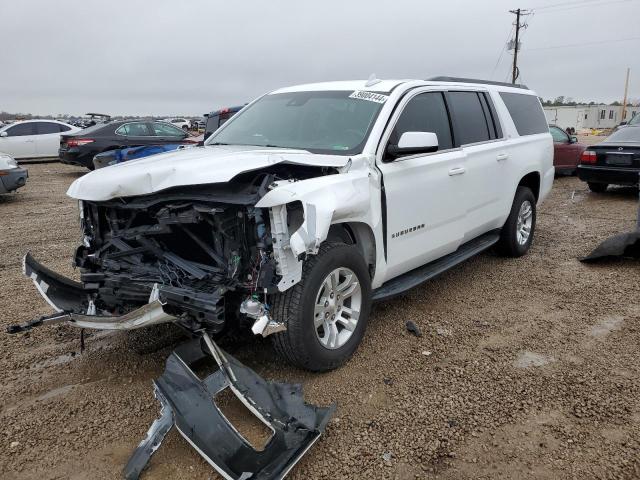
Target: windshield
[(320, 122), (635, 120)]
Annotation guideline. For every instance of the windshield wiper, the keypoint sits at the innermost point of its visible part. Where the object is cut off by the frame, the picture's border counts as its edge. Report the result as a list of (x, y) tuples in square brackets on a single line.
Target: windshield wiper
[(217, 143)]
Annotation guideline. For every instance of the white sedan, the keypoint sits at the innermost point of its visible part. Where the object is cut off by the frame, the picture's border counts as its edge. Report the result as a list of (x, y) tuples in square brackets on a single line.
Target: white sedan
[(33, 138), (179, 122)]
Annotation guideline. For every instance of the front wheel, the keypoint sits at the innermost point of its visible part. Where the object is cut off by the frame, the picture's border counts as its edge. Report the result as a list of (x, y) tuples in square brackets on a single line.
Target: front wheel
[(326, 313), (517, 234)]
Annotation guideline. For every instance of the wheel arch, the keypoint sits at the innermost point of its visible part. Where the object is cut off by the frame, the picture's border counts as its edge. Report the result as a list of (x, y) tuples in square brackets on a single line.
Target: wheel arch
[(359, 234), (532, 181)]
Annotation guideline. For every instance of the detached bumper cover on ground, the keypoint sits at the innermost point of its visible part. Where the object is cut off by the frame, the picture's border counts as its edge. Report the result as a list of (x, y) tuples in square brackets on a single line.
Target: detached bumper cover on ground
[(623, 245), (187, 402)]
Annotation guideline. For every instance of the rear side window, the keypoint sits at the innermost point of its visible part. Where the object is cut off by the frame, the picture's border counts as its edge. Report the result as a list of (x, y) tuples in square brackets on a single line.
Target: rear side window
[(44, 128), (425, 112), (526, 112), (21, 130), (166, 130), (133, 130), (470, 118)]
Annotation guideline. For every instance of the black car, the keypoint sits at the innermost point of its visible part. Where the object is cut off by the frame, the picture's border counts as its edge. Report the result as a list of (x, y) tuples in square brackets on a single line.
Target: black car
[(615, 161), (80, 148), (216, 119)]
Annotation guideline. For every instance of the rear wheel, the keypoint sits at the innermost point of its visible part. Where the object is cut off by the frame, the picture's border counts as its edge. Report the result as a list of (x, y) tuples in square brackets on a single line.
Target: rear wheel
[(327, 312), (517, 233), (598, 187)]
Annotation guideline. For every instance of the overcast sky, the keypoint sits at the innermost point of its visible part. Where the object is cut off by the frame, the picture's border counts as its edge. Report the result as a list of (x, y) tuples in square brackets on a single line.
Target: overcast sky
[(189, 57)]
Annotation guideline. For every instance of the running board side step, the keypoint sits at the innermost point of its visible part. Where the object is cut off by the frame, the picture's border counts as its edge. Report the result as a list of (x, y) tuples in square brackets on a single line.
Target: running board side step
[(418, 276)]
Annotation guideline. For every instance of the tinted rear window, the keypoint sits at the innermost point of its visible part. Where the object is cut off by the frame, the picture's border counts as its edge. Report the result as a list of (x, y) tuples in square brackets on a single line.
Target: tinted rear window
[(526, 112), (470, 118), (625, 134), (44, 128)]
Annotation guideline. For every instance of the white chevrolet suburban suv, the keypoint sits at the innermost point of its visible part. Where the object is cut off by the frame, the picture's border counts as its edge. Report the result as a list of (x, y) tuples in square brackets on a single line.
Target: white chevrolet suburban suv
[(307, 206)]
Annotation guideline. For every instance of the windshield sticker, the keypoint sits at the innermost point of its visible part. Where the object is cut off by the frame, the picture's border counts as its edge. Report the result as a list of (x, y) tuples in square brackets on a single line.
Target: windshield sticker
[(369, 96)]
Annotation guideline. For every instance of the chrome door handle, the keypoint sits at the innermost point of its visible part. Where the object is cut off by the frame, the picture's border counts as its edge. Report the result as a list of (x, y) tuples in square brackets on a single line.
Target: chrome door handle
[(457, 171), (502, 157)]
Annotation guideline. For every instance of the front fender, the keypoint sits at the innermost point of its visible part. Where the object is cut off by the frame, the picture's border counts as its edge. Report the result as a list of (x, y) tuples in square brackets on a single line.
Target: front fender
[(326, 200)]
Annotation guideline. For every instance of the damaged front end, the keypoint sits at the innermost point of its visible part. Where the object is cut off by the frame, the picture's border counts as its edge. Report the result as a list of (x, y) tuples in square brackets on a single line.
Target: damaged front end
[(188, 403), (189, 256)]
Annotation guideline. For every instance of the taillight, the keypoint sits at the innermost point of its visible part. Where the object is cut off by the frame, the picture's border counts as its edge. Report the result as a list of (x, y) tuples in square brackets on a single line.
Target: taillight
[(588, 156), (78, 142)]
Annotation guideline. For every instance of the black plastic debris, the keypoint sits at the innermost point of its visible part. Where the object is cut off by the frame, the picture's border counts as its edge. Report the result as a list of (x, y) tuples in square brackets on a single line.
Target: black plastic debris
[(623, 245), (188, 403), (413, 328)]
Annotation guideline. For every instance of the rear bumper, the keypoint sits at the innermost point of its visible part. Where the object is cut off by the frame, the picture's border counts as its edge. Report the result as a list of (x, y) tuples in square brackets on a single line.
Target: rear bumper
[(610, 175), (13, 179), (74, 157)]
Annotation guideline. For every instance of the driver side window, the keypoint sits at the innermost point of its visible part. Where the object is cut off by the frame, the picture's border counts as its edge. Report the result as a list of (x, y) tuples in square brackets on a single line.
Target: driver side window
[(558, 135), (426, 112)]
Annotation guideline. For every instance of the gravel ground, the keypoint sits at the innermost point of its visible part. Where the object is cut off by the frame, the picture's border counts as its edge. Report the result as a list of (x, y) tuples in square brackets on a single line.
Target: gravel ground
[(528, 368)]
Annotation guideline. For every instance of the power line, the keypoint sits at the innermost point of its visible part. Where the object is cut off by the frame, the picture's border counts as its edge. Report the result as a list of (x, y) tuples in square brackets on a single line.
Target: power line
[(584, 3), (561, 7), (504, 49), (583, 44)]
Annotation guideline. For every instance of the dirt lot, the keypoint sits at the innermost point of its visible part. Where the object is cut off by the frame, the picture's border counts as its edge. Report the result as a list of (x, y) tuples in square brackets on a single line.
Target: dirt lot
[(527, 368)]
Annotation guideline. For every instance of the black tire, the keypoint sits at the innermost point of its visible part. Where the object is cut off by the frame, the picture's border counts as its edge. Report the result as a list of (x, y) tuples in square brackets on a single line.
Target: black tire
[(299, 344), (598, 187), (508, 244)]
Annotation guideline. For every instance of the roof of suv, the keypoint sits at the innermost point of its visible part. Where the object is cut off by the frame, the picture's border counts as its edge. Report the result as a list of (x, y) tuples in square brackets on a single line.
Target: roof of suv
[(389, 85)]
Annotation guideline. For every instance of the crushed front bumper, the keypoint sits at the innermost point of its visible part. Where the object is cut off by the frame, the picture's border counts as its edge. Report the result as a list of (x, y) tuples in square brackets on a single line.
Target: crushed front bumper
[(187, 402), (73, 303)]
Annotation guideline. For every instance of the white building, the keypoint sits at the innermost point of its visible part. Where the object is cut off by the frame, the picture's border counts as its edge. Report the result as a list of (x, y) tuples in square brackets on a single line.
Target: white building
[(589, 116)]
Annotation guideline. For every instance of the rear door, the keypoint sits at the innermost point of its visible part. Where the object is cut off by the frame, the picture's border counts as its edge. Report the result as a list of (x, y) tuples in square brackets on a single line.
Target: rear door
[(20, 141), (48, 138), (424, 193), (478, 132)]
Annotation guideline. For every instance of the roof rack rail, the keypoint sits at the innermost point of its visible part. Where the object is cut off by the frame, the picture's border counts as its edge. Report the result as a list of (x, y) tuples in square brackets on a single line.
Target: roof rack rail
[(475, 80)]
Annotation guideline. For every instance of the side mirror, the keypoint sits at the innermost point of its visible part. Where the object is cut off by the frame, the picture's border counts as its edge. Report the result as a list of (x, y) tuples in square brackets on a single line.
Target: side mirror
[(623, 123), (412, 143), (4, 134), (573, 139)]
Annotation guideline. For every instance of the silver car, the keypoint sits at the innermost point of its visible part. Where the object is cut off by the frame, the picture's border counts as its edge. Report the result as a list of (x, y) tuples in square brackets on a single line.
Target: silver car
[(12, 177)]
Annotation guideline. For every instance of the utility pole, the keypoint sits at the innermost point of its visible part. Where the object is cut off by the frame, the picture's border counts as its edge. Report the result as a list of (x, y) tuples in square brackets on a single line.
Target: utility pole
[(516, 47), (624, 102)]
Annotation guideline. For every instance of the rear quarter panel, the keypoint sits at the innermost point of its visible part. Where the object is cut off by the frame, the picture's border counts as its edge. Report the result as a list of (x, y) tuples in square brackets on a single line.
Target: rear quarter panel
[(527, 154)]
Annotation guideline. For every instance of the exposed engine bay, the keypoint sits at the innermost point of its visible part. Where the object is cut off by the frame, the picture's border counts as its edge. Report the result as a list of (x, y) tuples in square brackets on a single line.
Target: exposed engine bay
[(193, 255)]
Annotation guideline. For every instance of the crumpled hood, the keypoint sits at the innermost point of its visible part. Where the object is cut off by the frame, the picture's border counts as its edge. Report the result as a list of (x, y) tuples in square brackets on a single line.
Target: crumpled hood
[(191, 166)]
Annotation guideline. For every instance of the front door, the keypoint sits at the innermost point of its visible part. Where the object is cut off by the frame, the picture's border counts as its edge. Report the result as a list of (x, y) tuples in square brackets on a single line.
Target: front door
[(424, 193), (20, 141)]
